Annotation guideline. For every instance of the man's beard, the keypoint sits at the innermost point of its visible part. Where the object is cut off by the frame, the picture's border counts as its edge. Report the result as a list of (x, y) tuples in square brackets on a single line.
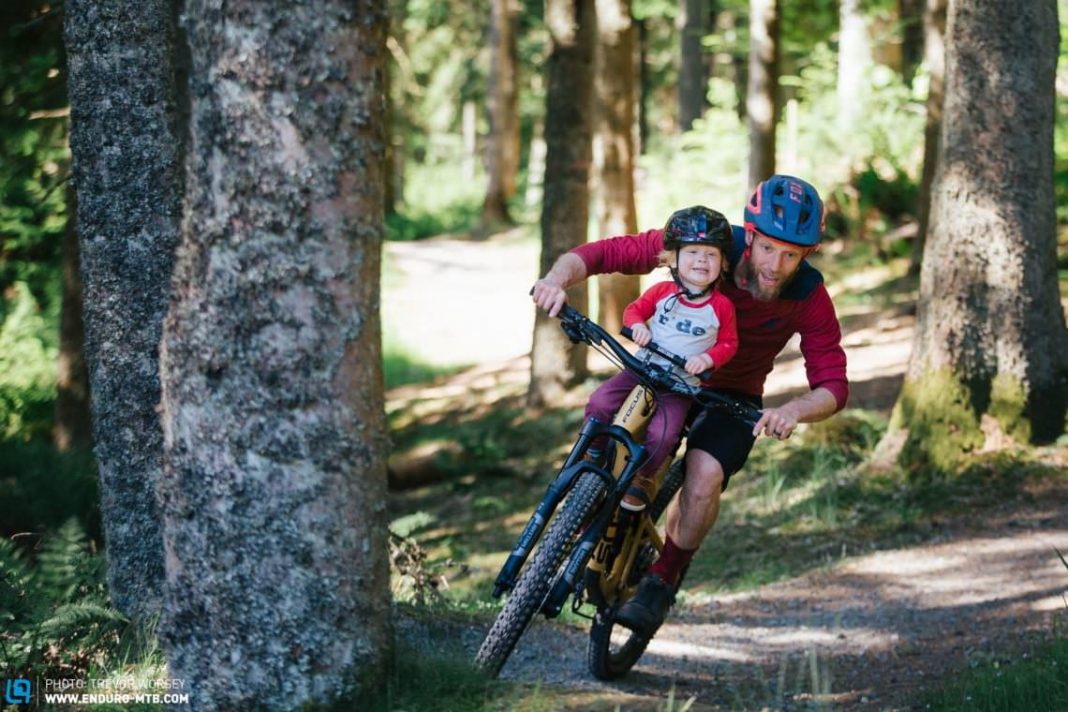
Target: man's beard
[(750, 281)]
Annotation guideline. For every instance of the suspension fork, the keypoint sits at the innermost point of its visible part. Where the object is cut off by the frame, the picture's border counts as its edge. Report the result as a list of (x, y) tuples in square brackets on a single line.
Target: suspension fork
[(579, 558), (574, 466)]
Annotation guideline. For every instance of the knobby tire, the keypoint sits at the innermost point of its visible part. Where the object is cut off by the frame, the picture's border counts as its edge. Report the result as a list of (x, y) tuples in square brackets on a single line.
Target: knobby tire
[(608, 661), (539, 574)]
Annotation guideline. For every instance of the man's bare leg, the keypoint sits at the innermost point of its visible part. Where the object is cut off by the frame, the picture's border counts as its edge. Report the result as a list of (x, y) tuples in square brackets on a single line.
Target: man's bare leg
[(692, 514), (690, 517)]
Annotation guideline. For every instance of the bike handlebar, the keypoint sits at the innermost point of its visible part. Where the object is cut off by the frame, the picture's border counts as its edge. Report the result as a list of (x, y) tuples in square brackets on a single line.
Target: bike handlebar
[(578, 327)]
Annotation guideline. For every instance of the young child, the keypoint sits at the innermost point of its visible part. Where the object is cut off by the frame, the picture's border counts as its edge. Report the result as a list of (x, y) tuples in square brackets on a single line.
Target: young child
[(687, 316)]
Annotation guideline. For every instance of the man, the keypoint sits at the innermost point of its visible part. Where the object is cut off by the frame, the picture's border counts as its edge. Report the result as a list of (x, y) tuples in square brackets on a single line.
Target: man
[(776, 294)]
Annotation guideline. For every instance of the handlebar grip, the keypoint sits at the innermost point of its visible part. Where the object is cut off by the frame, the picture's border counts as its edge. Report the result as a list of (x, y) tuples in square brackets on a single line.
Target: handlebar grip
[(627, 332), (705, 375)]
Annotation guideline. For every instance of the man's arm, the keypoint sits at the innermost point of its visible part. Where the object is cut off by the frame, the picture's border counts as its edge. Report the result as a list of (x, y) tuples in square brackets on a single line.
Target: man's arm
[(629, 254), (549, 291)]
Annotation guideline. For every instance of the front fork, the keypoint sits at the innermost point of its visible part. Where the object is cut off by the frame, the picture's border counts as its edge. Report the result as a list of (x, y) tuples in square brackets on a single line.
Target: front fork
[(573, 467)]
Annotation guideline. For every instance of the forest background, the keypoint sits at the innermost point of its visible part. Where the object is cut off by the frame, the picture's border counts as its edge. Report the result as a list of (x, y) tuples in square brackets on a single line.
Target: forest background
[(859, 136)]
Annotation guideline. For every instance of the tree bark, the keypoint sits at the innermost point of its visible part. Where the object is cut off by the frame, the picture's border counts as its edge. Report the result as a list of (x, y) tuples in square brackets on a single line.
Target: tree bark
[(645, 86), (73, 426), (557, 364), (693, 81), (911, 16), (502, 96), (991, 348), (934, 26), (274, 496), (854, 58), (126, 151), (615, 94), (762, 96)]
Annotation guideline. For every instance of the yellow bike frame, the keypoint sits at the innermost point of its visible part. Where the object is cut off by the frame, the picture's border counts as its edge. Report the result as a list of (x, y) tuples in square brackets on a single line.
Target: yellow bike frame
[(616, 582)]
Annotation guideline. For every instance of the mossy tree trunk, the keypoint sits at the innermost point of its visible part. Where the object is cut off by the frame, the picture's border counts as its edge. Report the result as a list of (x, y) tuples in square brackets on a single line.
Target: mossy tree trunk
[(616, 103), (273, 496), (126, 147), (556, 363), (991, 348), (762, 96)]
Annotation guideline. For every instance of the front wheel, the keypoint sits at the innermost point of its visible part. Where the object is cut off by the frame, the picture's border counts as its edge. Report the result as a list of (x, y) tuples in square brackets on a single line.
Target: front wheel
[(539, 574)]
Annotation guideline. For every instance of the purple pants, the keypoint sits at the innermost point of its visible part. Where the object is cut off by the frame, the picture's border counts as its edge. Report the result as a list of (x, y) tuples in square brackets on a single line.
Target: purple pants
[(664, 427)]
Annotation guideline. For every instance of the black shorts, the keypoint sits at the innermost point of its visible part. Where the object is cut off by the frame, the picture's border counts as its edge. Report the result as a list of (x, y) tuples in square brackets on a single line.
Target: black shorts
[(724, 437)]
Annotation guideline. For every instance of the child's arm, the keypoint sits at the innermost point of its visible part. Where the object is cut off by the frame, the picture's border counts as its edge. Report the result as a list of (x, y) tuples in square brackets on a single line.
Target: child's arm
[(639, 312)]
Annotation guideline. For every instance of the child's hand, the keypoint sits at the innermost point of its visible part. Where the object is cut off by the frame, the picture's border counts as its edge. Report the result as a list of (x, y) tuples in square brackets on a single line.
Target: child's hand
[(699, 363), (640, 334)]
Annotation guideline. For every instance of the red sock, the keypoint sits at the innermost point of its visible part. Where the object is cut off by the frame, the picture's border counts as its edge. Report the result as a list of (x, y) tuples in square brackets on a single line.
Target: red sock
[(672, 561)]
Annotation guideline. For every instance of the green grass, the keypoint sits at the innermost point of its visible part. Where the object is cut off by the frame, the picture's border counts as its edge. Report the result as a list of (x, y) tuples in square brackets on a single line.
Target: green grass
[(1037, 682), (400, 368)]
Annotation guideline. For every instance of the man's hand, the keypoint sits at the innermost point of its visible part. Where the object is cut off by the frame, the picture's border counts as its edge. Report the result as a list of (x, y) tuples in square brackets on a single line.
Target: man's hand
[(698, 364), (549, 295), (640, 334), (812, 407), (778, 423), (548, 292)]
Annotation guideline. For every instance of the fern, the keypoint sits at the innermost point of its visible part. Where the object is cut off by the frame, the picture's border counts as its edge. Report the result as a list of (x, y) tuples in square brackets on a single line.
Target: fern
[(54, 611)]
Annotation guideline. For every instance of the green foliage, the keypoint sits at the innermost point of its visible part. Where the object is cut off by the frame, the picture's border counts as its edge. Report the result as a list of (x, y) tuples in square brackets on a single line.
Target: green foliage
[(705, 166), (437, 676), (438, 199), (33, 143), (1037, 682), (27, 366), (56, 618), (41, 488)]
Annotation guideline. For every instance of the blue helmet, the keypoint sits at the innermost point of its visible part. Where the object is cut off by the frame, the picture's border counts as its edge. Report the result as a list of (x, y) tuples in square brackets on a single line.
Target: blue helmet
[(788, 209)]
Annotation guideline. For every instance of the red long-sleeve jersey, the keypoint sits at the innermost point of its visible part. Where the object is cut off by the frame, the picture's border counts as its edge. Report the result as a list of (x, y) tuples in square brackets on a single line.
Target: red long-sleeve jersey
[(804, 307)]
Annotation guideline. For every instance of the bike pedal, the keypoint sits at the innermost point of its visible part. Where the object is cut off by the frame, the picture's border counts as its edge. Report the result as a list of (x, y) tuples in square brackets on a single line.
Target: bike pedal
[(576, 608)]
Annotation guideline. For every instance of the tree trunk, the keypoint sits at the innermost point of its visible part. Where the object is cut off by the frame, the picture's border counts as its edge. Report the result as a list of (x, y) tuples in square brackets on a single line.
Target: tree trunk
[(910, 15), (762, 96), (615, 93), (934, 24), (73, 426), (645, 86), (126, 151), (991, 351), (557, 364), (502, 96), (274, 495), (693, 81), (854, 58)]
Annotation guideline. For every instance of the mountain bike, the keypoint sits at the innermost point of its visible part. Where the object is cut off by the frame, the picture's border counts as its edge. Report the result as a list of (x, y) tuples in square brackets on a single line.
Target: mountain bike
[(579, 542)]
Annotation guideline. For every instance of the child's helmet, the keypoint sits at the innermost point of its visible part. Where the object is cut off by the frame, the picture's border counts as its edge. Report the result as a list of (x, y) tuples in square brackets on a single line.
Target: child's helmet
[(698, 226), (788, 209)]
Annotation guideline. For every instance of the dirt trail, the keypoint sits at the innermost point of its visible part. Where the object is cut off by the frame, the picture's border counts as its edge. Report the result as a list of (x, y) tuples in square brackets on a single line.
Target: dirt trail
[(871, 633)]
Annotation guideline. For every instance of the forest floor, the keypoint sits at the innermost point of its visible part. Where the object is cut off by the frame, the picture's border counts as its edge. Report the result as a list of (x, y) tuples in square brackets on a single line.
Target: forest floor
[(872, 630)]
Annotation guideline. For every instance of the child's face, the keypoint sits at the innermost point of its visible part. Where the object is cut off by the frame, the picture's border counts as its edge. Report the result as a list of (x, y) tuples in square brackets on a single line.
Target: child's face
[(699, 265)]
